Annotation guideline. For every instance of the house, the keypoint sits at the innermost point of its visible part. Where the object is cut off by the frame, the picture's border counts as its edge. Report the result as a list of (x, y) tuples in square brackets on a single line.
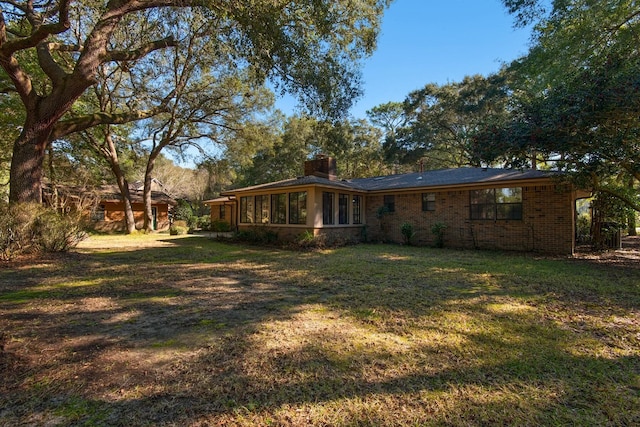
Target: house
[(109, 212), (104, 206), (483, 208)]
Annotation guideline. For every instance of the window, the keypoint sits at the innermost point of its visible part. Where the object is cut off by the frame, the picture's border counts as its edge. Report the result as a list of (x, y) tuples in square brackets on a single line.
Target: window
[(496, 203), (246, 209), (262, 209), (343, 209), (279, 208), (298, 208), (390, 203), (428, 202), (222, 212), (98, 215), (357, 209), (327, 208)]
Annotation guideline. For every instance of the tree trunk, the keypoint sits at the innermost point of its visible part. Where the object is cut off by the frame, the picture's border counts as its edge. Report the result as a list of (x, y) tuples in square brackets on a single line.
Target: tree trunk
[(148, 212), (27, 164), (112, 157), (123, 185), (631, 223)]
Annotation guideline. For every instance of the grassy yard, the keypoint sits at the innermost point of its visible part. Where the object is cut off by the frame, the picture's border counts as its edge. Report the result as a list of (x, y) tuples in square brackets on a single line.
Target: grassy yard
[(160, 330)]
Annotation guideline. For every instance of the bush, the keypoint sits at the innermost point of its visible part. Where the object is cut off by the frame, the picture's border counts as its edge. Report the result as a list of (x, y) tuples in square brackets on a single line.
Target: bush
[(221, 226), (175, 230), (407, 232), (31, 227), (438, 231), (260, 235), (204, 222), (308, 240)]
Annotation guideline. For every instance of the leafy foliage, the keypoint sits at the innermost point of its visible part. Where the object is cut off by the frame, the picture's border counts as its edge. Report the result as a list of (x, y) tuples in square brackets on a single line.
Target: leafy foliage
[(28, 228)]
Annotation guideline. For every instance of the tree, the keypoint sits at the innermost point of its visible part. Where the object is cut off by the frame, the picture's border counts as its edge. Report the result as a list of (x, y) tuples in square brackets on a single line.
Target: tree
[(310, 48), (391, 119), (577, 95), (357, 146), (441, 120)]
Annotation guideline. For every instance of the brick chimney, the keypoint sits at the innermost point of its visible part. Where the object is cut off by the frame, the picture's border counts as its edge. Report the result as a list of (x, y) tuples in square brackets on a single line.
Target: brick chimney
[(322, 166)]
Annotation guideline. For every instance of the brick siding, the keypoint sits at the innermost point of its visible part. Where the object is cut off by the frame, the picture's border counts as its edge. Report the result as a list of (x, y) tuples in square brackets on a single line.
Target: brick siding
[(547, 223)]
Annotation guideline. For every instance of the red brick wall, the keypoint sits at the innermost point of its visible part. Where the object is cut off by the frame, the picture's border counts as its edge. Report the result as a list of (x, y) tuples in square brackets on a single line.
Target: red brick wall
[(547, 223), (114, 216)]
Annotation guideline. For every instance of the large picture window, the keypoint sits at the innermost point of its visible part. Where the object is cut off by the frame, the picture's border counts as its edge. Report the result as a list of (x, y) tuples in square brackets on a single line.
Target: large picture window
[(496, 203), (298, 208), (327, 208), (279, 208), (246, 209), (262, 209), (343, 209), (357, 209)]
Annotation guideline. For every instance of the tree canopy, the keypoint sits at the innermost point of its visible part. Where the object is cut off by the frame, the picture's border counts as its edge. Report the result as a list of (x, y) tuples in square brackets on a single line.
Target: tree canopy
[(576, 95), (309, 48)]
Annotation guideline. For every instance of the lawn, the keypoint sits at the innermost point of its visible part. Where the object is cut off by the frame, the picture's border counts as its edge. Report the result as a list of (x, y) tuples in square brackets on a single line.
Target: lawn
[(184, 330)]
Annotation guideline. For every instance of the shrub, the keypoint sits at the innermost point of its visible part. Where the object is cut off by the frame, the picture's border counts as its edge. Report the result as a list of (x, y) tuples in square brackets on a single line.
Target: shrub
[(31, 227), (204, 222), (221, 226), (438, 231), (308, 240), (407, 232), (260, 235), (175, 230)]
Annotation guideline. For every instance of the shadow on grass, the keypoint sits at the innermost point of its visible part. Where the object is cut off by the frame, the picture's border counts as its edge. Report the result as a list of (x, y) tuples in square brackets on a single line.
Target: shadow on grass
[(201, 331)]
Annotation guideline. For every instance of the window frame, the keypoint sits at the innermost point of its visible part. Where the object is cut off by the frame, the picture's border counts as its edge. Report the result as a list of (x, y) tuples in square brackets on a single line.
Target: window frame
[(263, 210), (486, 204), (222, 212), (343, 208), (357, 209), (247, 206), (298, 209), (100, 213), (428, 202), (278, 207), (328, 206)]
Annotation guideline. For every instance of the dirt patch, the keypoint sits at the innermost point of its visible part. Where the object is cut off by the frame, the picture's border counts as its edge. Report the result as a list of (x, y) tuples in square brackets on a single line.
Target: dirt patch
[(628, 256)]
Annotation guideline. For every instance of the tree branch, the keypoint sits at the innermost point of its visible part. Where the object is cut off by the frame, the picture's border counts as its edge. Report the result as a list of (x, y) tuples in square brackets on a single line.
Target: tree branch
[(132, 55), (9, 47), (49, 65), (76, 124), (60, 47)]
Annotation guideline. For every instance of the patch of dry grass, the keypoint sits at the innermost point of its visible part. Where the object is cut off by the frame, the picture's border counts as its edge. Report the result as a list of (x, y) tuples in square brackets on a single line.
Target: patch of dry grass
[(183, 330)]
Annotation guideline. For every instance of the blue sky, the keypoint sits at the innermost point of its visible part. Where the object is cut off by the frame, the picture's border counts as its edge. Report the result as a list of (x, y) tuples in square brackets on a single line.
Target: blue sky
[(435, 41)]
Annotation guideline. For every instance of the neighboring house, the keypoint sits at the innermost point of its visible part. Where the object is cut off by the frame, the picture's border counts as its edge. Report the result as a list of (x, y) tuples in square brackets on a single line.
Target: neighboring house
[(105, 208), (522, 210), (109, 212)]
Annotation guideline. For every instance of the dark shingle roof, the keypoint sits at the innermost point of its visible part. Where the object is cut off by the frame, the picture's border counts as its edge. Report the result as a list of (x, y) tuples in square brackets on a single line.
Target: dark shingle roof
[(429, 179), (447, 177), (294, 182)]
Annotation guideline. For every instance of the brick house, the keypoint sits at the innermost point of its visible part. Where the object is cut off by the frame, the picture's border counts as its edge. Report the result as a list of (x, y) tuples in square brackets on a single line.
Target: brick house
[(109, 211), (481, 208)]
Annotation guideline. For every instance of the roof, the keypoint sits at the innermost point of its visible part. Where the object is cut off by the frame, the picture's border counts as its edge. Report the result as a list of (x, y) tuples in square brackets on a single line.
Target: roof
[(455, 177), (111, 193), (217, 200), (295, 182)]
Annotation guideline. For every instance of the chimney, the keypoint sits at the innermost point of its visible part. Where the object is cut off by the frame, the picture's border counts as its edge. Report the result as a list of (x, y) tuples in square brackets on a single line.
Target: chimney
[(322, 166)]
